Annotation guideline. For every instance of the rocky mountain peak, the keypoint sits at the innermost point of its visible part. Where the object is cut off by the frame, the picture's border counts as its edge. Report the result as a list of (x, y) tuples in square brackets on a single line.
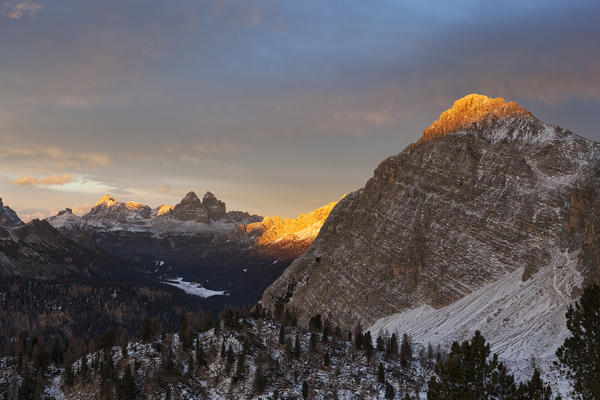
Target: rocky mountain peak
[(471, 109), (216, 208), (67, 211), (8, 217), (163, 209), (440, 220), (191, 209), (106, 200)]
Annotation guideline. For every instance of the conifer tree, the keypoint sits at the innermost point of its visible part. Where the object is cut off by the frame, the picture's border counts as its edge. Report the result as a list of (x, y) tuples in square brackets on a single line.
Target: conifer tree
[(146, 333), (535, 389), (358, 337), (405, 351), (260, 382), (313, 341), (326, 359), (467, 374), (69, 377), (390, 392), (392, 348), (297, 349), (281, 335), (240, 369), (380, 344), (200, 356), (579, 356), (380, 373), (128, 385), (368, 345), (305, 390)]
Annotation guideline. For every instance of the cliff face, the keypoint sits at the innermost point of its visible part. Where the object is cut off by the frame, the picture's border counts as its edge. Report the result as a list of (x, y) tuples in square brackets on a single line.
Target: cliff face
[(290, 237), (8, 218), (482, 194)]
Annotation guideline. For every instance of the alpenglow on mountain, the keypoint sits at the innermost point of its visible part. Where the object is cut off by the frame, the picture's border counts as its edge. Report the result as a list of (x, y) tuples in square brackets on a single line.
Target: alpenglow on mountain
[(491, 206)]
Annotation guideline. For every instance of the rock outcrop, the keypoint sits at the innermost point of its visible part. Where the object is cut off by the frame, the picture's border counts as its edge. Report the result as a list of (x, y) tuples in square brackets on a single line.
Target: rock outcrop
[(8, 218), (215, 207), (487, 190), (290, 237), (108, 210), (191, 209)]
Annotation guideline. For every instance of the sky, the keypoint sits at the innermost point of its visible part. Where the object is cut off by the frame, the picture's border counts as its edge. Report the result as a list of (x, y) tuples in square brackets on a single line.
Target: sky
[(277, 107)]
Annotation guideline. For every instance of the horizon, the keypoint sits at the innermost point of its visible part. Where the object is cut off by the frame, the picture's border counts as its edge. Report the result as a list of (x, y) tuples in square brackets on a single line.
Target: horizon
[(276, 108)]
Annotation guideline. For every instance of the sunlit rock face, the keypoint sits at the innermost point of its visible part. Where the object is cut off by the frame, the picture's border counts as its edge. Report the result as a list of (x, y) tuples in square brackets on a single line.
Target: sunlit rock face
[(163, 209), (288, 238), (8, 218), (471, 109), (487, 190), (108, 210)]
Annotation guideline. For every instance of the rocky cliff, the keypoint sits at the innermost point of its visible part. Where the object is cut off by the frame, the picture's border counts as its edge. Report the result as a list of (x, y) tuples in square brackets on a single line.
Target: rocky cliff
[(288, 238), (487, 190), (8, 218)]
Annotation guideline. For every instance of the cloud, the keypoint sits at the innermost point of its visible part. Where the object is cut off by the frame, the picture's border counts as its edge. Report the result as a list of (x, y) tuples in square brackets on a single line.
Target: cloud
[(52, 180), (165, 189), (20, 9), (55, 155)]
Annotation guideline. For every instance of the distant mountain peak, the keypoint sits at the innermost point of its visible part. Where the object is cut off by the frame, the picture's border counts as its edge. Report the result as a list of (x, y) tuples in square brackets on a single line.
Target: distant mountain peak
[(8, 217), (107, 200), (163, 209), (191, 196), (471, 109)]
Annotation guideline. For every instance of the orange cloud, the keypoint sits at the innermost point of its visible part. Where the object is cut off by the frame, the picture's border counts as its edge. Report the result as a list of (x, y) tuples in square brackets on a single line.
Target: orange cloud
[(165, 189), (20, 9), (54, 179)]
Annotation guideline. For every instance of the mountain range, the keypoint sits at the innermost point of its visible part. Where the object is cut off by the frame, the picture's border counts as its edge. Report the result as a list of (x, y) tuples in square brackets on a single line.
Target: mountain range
[(489, 221)]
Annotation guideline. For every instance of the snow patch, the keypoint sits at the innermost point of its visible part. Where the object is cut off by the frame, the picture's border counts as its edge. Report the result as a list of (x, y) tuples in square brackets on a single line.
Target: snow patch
[(194, 289)]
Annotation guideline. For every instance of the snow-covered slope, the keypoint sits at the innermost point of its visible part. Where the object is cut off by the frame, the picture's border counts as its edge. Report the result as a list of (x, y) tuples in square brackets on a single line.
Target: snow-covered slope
[(524, 321)]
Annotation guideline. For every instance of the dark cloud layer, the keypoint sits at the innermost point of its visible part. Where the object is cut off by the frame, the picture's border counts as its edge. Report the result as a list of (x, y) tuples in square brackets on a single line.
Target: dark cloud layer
[(276, 106)]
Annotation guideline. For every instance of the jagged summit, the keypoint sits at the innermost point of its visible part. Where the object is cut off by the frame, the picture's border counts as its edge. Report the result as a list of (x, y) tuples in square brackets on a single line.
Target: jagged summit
[(8, 217), (106, 200), (471, 109)]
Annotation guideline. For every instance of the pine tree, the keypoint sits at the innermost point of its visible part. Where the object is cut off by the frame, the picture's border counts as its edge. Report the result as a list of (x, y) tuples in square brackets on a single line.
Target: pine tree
[(380, 344), (297, 348), (358, 337), (579, 356), (468, 374), (405, 351), (305, 390), (380, 373), (124, 352), (128, 385), (200, 356), (289, 352), (281, 335), (185, 336), (368, 345), (241, 368), (84, 370), (390, 392), (146, 333), (535, 389), (326, 359), (69, 377), (392, 347), (313, 341), (260, 382)]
